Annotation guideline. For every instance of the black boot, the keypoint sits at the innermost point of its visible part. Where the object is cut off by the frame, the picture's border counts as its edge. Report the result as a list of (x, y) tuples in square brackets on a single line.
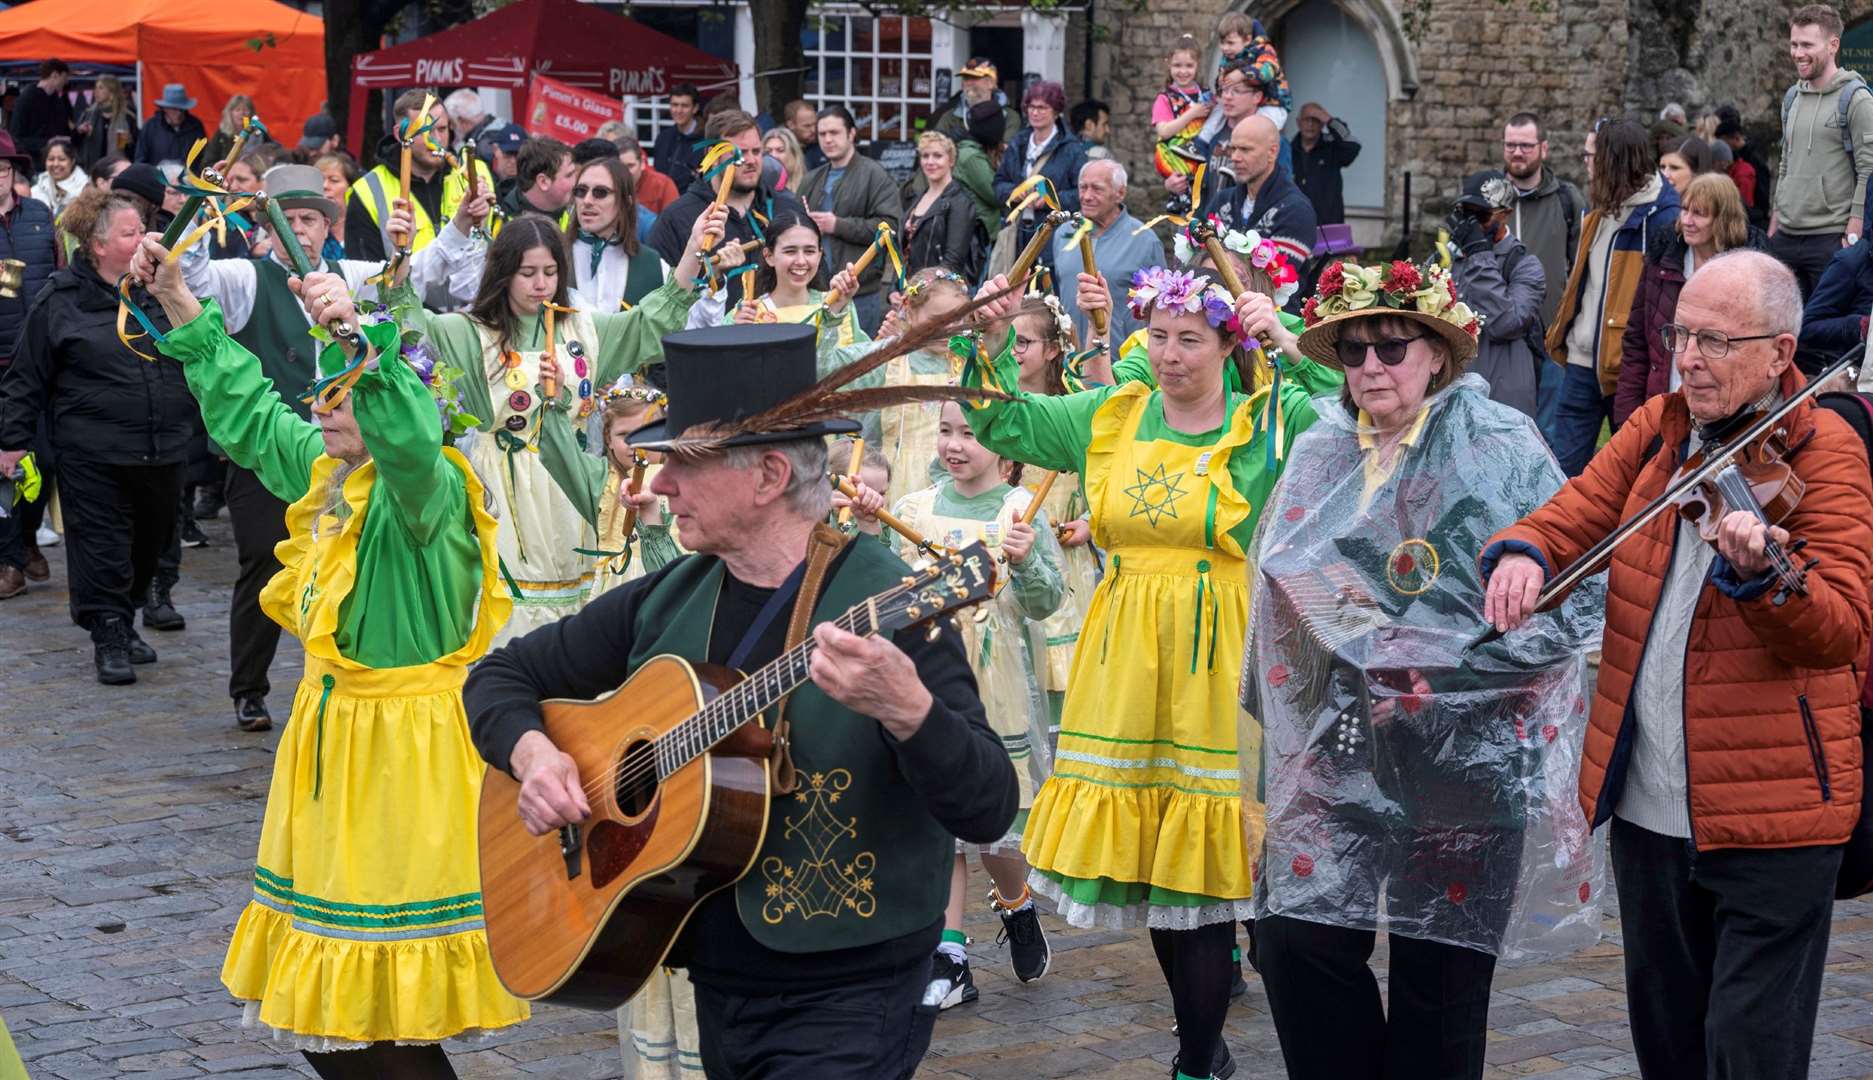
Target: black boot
[(110, 641), (160, 612), (139, 650)]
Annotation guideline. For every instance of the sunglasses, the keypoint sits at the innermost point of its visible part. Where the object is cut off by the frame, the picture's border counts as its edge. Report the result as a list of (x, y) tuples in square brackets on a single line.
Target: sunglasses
[(599, 192), (1391, 351)]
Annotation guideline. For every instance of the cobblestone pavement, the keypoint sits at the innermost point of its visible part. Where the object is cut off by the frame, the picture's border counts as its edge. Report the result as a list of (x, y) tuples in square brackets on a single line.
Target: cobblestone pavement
[(129, 817)]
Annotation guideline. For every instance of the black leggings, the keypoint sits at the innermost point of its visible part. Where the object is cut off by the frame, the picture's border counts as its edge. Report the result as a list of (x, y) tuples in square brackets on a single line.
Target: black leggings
[(1198, 969), (383, 1061)]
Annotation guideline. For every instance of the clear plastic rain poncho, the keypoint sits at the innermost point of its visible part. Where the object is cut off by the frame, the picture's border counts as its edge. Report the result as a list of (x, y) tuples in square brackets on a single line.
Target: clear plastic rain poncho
[(1416, 784)]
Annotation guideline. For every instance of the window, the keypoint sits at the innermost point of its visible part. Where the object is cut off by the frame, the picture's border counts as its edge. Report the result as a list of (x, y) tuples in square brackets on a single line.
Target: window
[(877, 66)]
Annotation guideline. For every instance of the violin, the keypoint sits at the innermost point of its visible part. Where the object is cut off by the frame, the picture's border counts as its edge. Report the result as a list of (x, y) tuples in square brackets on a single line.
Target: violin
[(1757, 480), (1704, 473)]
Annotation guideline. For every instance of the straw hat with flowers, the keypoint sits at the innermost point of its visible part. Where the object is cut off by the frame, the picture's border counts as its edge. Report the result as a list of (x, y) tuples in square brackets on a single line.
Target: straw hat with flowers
[(1348, 291)]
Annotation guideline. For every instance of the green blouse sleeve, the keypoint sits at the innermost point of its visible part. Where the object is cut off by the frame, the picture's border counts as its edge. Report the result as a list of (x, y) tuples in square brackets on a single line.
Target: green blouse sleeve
[(628, 340), (656, 546), (579, 475), (1051, 432), (1038, 582), (242, 411), (401, 428), (1249, 466)]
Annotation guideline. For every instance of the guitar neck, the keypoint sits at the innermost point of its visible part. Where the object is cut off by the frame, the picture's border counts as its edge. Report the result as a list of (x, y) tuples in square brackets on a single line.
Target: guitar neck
[(749, 698)]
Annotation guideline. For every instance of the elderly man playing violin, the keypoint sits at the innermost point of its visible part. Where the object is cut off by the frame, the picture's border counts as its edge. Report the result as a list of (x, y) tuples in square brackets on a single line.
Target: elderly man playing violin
[(1724, 739)]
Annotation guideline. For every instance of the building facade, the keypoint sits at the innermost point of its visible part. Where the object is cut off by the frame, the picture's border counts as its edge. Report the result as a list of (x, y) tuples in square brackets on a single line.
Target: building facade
[(1428, 107)]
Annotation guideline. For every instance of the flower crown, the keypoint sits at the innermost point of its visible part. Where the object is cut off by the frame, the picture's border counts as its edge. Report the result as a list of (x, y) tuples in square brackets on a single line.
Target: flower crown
[(625, 390), (1179, 290), (1259, 251), (928, 277), (378, 324), (1399, 286), (1063, 323)]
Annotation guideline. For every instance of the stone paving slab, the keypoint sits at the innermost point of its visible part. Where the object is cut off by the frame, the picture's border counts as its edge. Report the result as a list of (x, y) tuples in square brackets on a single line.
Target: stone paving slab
[(129, 818)]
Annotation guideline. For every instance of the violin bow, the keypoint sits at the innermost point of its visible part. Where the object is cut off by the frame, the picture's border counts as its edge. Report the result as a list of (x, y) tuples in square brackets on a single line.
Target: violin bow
[(1597, 556)]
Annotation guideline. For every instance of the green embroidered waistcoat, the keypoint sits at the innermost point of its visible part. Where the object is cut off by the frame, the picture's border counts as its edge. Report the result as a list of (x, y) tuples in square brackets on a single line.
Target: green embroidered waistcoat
[(852, 858), (277, 333)]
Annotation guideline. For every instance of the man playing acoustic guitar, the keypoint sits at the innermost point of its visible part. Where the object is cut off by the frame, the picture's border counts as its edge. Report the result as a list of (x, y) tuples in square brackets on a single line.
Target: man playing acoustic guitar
[(815, 962)]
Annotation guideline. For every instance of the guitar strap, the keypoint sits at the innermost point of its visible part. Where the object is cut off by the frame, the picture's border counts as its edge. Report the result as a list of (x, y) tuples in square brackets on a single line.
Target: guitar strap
[(824, 543)]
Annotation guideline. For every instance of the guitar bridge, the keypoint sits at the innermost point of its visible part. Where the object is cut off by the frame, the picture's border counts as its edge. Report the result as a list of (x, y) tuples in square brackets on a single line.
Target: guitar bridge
[(569, 847)]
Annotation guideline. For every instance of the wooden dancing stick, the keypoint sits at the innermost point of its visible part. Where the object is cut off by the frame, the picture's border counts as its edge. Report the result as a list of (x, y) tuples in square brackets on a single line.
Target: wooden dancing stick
[(1024, 263), (890, 520), (550, 387), (638, 463), (1040, 496), (833, 296), (411, 132), (1092, 267), (731, 157), (851, 469), (468, 163), (239, 144)]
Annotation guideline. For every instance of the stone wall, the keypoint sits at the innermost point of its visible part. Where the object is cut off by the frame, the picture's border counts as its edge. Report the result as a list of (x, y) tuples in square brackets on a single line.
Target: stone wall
[(1478, 61)]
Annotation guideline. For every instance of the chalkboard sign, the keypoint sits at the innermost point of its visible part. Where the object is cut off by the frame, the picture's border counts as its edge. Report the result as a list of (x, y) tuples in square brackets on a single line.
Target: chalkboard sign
[(899, 158)]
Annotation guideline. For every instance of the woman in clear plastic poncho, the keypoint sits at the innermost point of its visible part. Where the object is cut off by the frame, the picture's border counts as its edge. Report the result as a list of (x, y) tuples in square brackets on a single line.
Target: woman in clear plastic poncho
[(1413, 783)]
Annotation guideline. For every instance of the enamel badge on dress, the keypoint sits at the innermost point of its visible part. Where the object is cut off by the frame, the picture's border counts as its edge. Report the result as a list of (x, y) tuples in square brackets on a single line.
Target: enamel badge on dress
[(1203, 463)]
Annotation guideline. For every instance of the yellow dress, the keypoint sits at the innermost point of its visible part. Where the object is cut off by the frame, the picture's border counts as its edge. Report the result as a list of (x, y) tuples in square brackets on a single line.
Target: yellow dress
[(360, 935)]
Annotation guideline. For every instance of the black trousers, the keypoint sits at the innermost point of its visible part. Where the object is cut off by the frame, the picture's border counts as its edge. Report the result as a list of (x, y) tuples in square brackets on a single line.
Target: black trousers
[(1807, 256), (874, 1030), (1325, 1003), (259, 520), (118, 521), (1724, 954)]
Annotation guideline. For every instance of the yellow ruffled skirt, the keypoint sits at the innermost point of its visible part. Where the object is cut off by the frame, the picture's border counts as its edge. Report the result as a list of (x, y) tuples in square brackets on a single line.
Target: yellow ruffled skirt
[(366, 921), (1143, 821)]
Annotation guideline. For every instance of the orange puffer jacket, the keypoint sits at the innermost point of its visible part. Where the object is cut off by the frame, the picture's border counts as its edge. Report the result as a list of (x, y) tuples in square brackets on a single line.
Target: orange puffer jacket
[(1771, 694)]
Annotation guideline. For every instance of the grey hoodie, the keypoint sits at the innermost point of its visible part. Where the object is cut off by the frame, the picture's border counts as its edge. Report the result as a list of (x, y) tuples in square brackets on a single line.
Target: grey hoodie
[(1817, 186)]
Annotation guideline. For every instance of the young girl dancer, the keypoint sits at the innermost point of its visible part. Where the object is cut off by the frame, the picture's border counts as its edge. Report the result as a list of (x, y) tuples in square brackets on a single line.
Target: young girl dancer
[(978, 498)]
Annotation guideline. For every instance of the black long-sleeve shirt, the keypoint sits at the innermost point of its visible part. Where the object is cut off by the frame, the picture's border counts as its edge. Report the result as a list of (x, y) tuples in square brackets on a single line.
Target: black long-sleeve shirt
[(954, 764)]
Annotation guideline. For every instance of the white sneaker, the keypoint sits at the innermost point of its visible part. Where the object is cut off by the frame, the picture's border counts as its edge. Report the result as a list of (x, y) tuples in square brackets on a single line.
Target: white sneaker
[(47, 538)]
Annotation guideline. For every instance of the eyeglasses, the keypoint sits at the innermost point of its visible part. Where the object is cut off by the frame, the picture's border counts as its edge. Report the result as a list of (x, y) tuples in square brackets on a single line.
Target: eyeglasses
[(1234, 90), (1713, 344), (1023, 343), (1033, 105), (1391, 351), (599, 192), (1521, 147)]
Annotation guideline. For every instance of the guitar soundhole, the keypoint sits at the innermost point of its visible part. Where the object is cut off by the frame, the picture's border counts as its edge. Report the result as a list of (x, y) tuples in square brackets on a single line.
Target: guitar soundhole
[(637, 779)]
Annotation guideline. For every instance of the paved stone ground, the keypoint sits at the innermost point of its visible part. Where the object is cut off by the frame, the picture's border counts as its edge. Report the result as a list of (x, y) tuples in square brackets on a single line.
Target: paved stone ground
[(129, 816)]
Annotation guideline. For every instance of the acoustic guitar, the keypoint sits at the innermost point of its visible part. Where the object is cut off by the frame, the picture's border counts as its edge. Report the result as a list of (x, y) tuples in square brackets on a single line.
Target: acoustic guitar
[(674, 764)]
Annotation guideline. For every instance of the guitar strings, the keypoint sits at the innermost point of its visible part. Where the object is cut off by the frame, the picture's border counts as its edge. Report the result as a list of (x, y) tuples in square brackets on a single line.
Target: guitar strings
[(647, 765)]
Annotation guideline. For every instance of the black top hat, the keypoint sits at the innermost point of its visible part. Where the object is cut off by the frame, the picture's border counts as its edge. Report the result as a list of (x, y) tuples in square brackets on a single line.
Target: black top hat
[(723, 374)]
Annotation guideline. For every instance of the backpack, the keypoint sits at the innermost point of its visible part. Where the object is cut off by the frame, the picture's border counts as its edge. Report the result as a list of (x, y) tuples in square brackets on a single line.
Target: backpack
[(1843, 103), (1536, 336), (1856, 867)]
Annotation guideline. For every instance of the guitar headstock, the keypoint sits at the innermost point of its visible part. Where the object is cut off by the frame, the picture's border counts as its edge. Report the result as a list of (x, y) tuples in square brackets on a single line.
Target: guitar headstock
[(952, 581)]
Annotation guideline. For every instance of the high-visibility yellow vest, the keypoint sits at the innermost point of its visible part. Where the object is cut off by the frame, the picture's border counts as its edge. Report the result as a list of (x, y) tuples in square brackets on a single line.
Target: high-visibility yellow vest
[(378, 188)]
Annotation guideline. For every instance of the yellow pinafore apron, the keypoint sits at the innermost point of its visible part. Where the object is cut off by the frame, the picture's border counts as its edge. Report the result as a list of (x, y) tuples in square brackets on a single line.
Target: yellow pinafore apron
[(1004, 650), (909, 432), (365, 923), (540, 531), (1143, 820)]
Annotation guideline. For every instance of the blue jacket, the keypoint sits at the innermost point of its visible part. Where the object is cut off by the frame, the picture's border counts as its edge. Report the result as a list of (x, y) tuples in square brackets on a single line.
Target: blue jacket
[(1062, 167), (1835, 318), (27, 235), (1281, 212)]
